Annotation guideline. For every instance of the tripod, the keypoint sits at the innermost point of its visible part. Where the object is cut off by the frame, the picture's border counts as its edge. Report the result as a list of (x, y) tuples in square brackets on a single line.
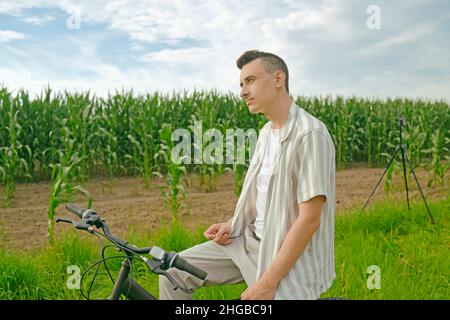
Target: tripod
[(402, 148)]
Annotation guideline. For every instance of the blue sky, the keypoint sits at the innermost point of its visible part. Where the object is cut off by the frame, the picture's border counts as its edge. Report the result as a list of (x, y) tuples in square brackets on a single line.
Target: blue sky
[(164, 46)]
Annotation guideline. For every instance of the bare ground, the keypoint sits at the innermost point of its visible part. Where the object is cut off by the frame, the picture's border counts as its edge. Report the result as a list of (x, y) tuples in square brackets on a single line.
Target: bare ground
[(128, 204)]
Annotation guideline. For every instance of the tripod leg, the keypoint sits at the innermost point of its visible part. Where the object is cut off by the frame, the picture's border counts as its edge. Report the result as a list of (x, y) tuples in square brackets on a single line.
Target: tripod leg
[(404, 175), (387, 167), (420, 189)]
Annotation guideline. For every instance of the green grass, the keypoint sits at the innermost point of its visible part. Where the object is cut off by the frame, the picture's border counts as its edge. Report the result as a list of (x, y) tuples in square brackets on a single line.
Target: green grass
[(412, 255)]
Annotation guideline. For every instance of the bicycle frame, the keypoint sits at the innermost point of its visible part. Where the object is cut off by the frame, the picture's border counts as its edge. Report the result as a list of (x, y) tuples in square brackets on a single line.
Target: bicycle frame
[(128, 287)]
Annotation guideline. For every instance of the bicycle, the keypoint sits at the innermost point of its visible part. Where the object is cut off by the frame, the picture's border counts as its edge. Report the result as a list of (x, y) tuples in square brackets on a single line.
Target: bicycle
[(125, 285), (159, 264)]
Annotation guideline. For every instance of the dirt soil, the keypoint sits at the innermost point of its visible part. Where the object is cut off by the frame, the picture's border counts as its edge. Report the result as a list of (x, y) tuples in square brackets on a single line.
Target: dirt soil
[(130, 205)]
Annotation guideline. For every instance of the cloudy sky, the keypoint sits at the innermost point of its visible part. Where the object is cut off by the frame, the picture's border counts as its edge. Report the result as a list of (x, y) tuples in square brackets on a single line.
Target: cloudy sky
[(397, 48)]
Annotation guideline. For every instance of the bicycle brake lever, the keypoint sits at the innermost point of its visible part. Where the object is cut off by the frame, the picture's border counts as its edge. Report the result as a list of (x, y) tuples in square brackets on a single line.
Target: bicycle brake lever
[(175, 284), (64, 220), (155, 266), (82, 226)]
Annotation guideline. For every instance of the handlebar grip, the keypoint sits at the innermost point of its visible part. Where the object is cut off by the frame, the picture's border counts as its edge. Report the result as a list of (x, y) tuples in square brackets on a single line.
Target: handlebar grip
[(74, 209), (182, 264)]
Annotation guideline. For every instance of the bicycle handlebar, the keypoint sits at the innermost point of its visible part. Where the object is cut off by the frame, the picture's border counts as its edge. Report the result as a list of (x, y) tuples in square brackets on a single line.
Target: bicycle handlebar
[(182, 264), (169, 259), (74, 209)]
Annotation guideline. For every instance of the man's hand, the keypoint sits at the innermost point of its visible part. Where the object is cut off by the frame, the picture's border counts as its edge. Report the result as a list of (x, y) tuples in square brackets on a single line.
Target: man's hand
[(260, 290), (219, 233)]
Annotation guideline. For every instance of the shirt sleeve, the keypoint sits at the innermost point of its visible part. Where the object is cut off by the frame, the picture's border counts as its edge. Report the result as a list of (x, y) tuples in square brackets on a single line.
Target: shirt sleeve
[(315, 154)]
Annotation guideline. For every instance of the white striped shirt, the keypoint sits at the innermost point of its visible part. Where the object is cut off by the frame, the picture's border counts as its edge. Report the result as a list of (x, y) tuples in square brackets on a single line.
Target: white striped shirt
[(262, 180), (304, 168)]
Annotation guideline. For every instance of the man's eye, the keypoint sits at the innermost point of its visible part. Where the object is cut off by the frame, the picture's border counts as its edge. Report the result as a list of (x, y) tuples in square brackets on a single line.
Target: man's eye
[(250, 80)]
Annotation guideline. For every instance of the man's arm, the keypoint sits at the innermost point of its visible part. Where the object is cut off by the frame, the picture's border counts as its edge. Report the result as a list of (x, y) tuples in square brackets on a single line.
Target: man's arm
[(297, 239), (294, 244)]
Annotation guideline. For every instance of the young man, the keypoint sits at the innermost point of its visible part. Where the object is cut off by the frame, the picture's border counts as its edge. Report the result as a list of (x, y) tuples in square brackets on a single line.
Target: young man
[(280, 240)]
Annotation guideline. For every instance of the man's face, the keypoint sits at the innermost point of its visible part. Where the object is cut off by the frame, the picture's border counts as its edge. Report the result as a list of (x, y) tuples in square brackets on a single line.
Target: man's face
[(257, 86)]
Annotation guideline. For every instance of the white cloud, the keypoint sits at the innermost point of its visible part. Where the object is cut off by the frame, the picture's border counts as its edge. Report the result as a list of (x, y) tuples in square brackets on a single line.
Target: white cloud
[(410, 36), (8, 35), (39, 20), (189, 55), (326, 45), (15, 7)]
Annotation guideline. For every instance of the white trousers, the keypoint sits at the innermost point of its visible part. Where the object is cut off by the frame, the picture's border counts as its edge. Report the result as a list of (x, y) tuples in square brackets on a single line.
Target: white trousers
[(228, 264)]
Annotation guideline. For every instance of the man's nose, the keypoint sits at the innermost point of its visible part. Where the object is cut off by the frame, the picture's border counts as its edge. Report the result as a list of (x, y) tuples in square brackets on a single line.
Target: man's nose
[(244, 92)]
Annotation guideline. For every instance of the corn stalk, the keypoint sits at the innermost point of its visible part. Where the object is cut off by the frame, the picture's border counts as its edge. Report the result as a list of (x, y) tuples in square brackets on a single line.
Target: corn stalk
[(175, 174)]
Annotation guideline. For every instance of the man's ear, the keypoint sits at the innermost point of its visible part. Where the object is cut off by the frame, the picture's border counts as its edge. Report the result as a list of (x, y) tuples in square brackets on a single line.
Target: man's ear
[(279, 78)]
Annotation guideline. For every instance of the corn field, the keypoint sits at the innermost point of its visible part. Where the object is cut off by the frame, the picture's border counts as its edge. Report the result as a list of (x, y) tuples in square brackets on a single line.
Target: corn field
[(87, 136)]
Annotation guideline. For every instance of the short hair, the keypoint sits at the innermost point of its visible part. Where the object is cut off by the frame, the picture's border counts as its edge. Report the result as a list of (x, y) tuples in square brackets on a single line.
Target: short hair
[(270, 61)]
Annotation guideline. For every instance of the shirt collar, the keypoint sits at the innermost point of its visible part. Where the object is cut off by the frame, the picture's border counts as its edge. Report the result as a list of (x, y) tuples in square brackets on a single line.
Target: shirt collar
[(287, 127), (284, 131)]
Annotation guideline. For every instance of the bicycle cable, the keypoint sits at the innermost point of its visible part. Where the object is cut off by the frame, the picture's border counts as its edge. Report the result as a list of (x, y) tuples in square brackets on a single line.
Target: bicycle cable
[(125, 255), (89, 268)]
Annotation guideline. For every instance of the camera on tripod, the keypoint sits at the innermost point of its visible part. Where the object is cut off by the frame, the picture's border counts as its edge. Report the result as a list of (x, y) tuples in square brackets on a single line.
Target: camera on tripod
[(402, 148)]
